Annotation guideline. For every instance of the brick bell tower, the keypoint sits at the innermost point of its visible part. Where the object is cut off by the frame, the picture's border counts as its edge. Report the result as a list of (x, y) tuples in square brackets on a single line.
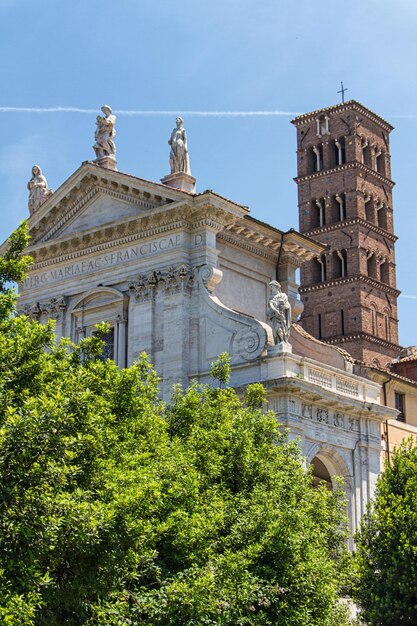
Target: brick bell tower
[(345, 201)]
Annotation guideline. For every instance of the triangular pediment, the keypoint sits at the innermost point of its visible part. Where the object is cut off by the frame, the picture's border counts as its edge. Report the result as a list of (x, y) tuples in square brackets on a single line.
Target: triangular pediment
[(94, 197), (100, 210)]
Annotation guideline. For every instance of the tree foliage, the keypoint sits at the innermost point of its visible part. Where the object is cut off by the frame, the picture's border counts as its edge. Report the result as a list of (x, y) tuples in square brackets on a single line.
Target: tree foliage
[(117, 509), (386, 557)]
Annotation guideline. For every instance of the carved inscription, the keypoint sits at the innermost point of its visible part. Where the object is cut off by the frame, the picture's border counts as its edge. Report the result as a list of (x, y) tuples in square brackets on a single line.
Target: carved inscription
[(102, 261)]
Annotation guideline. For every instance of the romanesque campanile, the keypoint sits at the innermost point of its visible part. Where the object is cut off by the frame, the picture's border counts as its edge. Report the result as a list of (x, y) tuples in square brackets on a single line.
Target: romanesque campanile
[(345, 201)]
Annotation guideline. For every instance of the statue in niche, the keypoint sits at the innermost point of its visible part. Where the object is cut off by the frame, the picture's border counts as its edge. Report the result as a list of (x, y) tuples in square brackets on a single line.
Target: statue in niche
[(178, 156), (105, 134), (279, 312), (39, 192)]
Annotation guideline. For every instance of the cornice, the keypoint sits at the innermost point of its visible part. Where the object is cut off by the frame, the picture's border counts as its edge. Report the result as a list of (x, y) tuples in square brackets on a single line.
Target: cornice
[(127, 231), (311, 392), (84, 249), (350, 105), (245, 244), (350, 279), (293, 245), (285, 236), (344, 168), (352, 222), (363, 337)]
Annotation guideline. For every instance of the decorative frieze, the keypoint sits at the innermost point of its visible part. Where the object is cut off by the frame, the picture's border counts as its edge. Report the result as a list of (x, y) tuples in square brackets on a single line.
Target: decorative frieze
[(364, 171), (331, 418), (367, 226), (353, 424), (322, 415)]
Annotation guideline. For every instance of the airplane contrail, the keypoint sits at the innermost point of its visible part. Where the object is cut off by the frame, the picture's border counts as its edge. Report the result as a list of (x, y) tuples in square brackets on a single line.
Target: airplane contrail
[(272, 113), (149, 113)]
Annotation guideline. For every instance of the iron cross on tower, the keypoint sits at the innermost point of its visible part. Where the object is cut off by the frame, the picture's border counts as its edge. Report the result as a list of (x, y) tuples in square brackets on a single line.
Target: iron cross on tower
[(342, 91)]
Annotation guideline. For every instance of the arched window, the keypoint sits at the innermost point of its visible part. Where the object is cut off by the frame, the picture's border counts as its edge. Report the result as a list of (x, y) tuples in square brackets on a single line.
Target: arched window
[(374, 320), (339, 262), (102, 304), (384, 272), (371, 265), (322, 125), (315, 158), (338, 208), (340, 151), (366, 153), (380, 161), (342, 322), (387, 329), (341, 201), (382, 216), (318, 212), (369, 209), (319, 326), (318, 269)]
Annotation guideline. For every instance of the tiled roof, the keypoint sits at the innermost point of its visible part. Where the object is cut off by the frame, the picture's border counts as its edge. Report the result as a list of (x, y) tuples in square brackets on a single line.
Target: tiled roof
[(307, 335)]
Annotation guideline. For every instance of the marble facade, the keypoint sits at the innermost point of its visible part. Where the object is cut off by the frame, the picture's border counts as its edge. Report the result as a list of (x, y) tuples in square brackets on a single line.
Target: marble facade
[(184, 276)]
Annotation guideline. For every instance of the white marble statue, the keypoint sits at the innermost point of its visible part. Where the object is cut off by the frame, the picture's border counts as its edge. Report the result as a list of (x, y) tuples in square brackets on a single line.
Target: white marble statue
[(105, 134), (39, 192), (279, 312), (178, 156)]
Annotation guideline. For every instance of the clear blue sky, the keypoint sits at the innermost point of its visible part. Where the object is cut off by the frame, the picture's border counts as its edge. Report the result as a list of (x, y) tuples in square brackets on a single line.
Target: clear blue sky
[(200, 55)]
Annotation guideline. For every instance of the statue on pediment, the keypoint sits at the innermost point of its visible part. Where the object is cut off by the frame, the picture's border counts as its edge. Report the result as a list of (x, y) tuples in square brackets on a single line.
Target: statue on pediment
[(178, 156), (279, 312), (105, 133), (39, 192)]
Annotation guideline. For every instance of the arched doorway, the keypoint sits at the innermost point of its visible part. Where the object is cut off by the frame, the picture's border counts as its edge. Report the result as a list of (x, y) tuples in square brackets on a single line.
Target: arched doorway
[(327, 465), (321, 475)]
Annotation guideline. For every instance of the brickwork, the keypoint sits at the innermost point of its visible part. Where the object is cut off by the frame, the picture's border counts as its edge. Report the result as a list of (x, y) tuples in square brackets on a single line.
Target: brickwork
[(345, 202)]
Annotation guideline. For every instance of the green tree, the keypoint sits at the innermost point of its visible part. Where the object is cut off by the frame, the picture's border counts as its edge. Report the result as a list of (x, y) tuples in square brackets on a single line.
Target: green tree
[(117, 509), (386, 557)]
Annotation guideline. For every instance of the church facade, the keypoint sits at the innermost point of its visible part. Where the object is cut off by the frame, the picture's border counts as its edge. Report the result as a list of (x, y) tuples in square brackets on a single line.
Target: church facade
[(185, 276)]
